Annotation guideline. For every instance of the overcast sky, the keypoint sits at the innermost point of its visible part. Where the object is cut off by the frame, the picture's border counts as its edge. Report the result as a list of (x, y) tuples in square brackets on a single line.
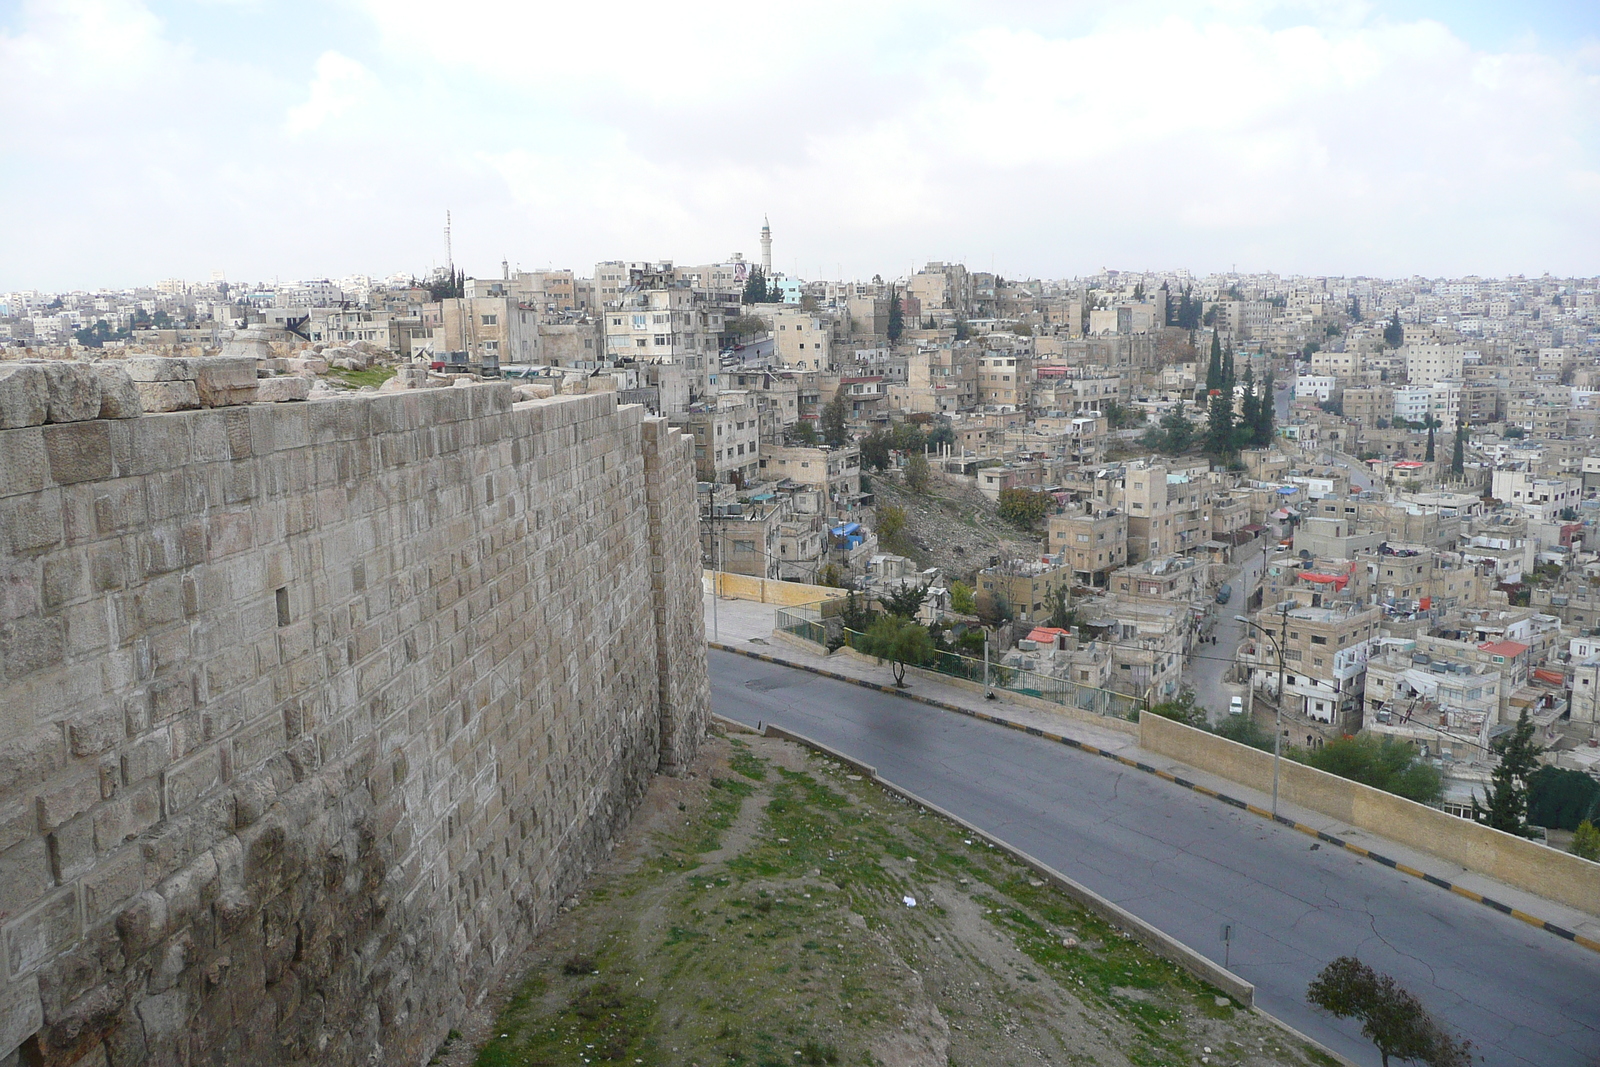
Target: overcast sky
[(167, 138)]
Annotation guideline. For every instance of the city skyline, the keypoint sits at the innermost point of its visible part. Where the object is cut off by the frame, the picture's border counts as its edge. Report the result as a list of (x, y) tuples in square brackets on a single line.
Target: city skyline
[(1350, 139)]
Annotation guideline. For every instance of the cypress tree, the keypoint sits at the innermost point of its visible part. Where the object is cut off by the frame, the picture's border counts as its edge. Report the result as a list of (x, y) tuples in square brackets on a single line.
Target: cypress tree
[(1458, 462), (1249, 410), (1214, 368), (1429, 456), (1227, 368), (1264, 413), (897, 321), (1219, 425)]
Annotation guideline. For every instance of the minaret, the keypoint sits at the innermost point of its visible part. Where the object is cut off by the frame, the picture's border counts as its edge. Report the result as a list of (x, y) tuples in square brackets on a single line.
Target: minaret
[(766, 248)]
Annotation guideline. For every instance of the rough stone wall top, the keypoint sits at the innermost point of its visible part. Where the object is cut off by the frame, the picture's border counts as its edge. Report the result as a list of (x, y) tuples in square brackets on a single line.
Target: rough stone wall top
[(310, 713)]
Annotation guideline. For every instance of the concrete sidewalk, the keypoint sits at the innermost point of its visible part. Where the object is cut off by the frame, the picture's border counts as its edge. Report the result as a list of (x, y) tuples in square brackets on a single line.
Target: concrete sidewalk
[(747, 627)]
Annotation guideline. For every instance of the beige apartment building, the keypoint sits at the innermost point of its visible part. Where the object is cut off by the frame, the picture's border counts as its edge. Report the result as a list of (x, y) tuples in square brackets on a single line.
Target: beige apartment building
[(727, 435), (489, 329), (1166, 510), (1003, 379), (836, 472), (938, 381), (1027, 587), (1093, 543), (801, 339), (1325, 657)]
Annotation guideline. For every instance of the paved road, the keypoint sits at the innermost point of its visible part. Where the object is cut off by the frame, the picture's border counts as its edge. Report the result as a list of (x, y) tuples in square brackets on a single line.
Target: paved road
[(1203, 673), (1188, 864)]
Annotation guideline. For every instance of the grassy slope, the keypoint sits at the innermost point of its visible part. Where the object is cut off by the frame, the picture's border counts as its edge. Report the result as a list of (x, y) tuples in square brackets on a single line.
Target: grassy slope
[(761, 919)]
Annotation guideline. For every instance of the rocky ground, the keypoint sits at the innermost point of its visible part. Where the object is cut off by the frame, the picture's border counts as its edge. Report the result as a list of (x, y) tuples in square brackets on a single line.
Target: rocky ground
[(775, 908), (956, 528)]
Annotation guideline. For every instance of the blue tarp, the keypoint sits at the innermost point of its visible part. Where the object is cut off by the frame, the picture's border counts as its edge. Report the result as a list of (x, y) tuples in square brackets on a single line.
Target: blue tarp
[(847, 529)]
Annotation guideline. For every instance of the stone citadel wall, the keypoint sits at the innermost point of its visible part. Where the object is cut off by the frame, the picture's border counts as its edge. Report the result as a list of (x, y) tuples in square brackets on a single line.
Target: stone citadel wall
[(311, 714)]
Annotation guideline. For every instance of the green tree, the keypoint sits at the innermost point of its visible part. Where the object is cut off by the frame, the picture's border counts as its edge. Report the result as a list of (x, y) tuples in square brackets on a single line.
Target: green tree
[(834, 417), (942, 434), (875, 449), (1214, 367), (855, 615), (1391, 1018), (897, 317), (905, 601), (890, 520), (1394, 334), (907, 436), (1508, 784), (961, 599), (1245, 730), (755, 287), (1177, 432), (1458, 459), (1024, 507), (832, 576), (1355, 309), (1429, 455), (918, 473), (1219, 425), (1117, 415), (745, 325), (1561, 799), (1249, 411), (1182, 708), (1061, 616), (1586, 842), (804, 433), (1265, 414), (1388, 764), (899, 641)]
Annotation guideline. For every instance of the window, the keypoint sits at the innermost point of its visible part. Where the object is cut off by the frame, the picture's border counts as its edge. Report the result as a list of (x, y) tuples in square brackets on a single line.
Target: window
[(491, 320), (1318, 639)]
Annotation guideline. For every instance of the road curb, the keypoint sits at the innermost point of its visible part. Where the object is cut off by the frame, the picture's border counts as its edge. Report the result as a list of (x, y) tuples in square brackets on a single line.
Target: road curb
[(1310, 831), (1148, 934)]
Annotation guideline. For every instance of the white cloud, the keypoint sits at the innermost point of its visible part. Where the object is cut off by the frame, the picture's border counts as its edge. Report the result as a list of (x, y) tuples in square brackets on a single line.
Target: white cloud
[(340, 85), (1055, 138)]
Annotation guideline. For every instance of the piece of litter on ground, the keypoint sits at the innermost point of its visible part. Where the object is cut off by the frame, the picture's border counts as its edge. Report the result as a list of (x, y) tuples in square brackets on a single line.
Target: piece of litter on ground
[(853, 777), (1035, 882), (1069, 942), (966, 842), (910, 902), (1222, 1002)]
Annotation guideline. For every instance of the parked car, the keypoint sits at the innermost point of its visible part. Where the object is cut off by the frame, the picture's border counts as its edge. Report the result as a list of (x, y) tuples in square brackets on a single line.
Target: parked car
[(1224, 593), (1236, 706)]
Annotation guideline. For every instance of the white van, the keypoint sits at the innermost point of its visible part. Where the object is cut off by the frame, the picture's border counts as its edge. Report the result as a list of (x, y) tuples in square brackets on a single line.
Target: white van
[(1236, 707)]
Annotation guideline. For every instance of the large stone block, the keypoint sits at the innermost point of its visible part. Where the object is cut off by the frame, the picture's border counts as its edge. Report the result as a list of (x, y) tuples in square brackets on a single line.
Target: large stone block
[(118, 397), (74, 392), (79, 452), (222, 381), (24, 395), (159, 369), (21, 1014), (167, 395), (278, 390)]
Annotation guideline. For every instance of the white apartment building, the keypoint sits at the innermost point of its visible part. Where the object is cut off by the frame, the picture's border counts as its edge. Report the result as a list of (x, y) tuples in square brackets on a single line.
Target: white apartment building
[(1429, 362), (1412, 402), (1546, 497), (1318, 387)]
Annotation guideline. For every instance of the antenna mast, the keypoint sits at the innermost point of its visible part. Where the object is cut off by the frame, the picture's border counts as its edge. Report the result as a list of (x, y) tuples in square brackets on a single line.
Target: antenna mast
[(449, 255)]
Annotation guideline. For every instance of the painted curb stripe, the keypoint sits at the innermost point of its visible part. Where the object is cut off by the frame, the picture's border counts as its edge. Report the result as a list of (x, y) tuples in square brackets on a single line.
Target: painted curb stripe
[(1311, 831)]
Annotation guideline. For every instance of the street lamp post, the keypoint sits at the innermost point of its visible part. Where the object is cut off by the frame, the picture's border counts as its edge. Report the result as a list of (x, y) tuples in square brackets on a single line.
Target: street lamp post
[(1277, 732)]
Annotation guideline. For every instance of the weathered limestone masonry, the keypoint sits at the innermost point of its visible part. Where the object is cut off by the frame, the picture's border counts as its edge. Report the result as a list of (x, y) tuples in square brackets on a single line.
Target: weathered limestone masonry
[(312, 713)]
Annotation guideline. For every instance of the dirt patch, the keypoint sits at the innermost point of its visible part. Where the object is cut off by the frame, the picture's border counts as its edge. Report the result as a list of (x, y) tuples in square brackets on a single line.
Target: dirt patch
[(775, 909), (956, 528)]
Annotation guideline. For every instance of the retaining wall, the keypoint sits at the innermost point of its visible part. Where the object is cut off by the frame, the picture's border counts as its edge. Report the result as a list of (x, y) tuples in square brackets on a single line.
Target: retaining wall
[(311, 714), (1513, 860)]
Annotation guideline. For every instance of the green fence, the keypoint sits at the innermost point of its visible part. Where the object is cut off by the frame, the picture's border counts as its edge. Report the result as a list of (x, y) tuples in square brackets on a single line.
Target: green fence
[(816, 622)]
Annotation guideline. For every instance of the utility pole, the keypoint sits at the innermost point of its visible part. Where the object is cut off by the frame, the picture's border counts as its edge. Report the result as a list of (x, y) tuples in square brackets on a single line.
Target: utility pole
[(1277, 732)]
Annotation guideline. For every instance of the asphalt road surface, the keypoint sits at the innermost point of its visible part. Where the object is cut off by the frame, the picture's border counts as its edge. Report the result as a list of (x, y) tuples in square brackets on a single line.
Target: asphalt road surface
[(1189, 864)]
